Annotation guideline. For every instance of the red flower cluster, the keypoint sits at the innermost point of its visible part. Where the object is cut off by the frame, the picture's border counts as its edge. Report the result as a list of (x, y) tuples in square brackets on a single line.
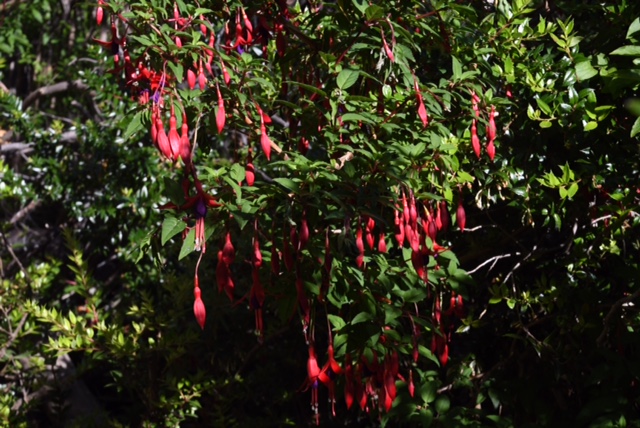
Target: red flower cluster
[(491, 129)]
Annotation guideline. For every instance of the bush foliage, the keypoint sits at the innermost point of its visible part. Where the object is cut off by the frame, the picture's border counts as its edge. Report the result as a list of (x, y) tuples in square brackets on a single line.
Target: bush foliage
[(407, 213)]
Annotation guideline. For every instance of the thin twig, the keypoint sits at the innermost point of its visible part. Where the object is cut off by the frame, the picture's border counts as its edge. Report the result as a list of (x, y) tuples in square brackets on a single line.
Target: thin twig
[(492, 259), (604, 217), (506, 278), (15, 258), (13, 336), (17, 217)]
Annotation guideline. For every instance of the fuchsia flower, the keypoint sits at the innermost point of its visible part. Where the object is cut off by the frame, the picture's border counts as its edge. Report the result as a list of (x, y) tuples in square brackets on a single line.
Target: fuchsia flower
[(328, 374), (99, 12), (422, 111), (198, 306), (360, 246), (199, 204), (475, 140), (221, 114), (191, 79), (256, 300), (491, 132), (313, 372), (411, 386)]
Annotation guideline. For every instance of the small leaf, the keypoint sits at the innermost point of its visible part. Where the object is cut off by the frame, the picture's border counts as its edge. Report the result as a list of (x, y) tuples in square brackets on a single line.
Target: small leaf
[(336, 321), (546, 124), (374, 12), (361, 6), (456, 67), (585, 71), (134, 126), (346, 78), (443, 403), (287, 183), (544, 106), (590, 126), (634, 27), (570, 78), (563, 192), (636, 128), (309, 88), (355, 117), (188, 245), (178, 70), (171, 226), (428, 391), (237, 172), (37, 15), (361, 317), (572, 190)]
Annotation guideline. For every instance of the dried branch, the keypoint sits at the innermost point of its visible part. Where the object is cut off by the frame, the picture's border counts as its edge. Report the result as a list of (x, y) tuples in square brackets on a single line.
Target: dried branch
[(23, 148), (52, 90), (492, 259), (17, 217)]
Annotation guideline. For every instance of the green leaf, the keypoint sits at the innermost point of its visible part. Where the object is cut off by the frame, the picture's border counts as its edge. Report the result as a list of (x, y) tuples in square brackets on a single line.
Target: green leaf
[(570, 78), (134, 126), (635, 129), (629, 50), (544, 106), (37, 15), (309, 88), (590, 126), (347, 78), (188, 245), (457, 68), (429, 391), (236, 188), (508, 66), (171, 226), (337, 322), (633, 28), (361, 6), (413, 295), (442, 404), (558, 41), (585, 71), (143, 40), (391, 313), (505, 8), (287, 183), (361, 317), (374, 12), (355, 117), (237, 172), (178, 70), (546, 124)]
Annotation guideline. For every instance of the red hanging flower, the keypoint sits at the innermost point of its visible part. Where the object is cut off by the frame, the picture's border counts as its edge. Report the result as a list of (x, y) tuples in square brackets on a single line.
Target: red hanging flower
[(198, 306)]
